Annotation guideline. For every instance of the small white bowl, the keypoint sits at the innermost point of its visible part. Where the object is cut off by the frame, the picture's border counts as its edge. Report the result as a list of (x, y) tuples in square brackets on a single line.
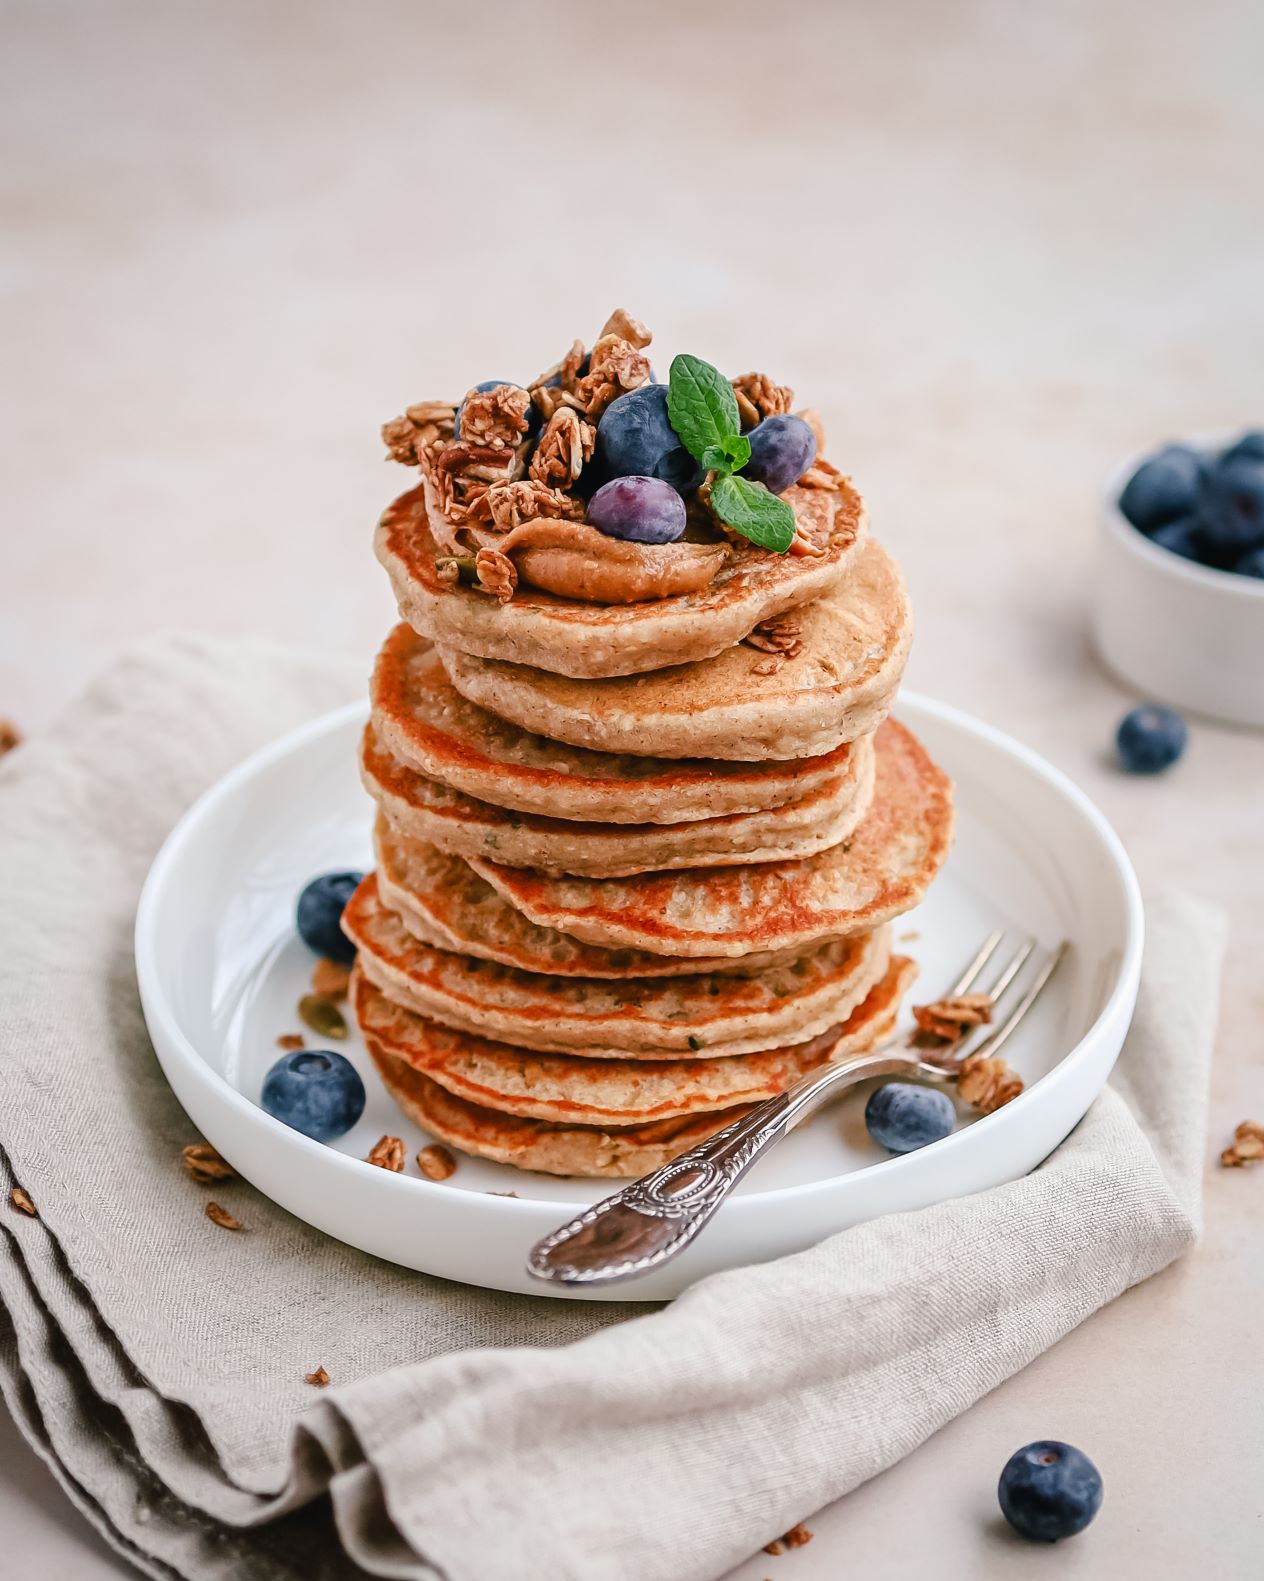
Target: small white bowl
[(1180, 633)]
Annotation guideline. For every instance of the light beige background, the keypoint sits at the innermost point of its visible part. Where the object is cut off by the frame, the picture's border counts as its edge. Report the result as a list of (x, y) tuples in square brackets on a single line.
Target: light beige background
[(998, 246)]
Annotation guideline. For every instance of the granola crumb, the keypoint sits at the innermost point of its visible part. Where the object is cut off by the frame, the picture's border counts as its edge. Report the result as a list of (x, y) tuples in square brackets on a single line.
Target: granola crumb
[(987, 1083), (10, 736), (436, 1162), (797, 1536), (759, 397), (205, 1165), (776, 1546), (911, 937), (21, 1200), (290, 1041), (330, 980), (319, 1379), (496, 574), (1247, 1146), (782, 635), (222, 1217), (951, 1018), (387, 1153)]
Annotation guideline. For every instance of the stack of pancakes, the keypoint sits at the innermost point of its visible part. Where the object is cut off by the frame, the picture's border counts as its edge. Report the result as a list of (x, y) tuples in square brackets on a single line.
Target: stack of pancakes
[(636, 864)]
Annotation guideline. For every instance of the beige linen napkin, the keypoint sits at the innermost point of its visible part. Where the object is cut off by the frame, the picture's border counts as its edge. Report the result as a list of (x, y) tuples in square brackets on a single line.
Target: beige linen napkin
[(157, 1362)]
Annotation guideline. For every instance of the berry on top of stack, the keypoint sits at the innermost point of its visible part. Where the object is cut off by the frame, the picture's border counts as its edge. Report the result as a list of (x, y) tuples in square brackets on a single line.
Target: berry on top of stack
[(643, 823)]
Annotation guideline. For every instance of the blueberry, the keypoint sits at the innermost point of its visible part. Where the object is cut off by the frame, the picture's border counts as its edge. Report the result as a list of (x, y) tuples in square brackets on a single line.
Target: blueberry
[(1232, 507), (1182, 536), (782, 449), (319, 915), (1049, 1490), (315, 1092), (646, 510), (903, 1117), (534, 415), (1163, 488), (635, 439), (1251, 564), (1250, 446), (1150, 739)]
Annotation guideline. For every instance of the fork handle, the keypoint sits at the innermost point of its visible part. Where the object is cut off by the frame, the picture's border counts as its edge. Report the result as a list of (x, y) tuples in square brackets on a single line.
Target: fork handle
[(652, 1220)]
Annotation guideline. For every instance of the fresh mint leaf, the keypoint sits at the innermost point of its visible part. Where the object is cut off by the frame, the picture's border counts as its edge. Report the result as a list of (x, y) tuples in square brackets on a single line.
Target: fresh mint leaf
[(731, 456), (748, 508), (701, 406)]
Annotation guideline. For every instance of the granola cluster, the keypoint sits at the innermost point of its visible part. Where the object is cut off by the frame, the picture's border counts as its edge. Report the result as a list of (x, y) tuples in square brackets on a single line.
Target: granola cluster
[(509, 455)]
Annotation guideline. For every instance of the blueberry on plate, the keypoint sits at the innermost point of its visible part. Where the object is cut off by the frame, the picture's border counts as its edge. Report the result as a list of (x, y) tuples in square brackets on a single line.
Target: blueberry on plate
[(1182, 536), (644, 510), (1049, 1490), (1164, 487), (319, 915), (903, 1117), (1251, 564), (636, 439), (315, 1092), (782, 449), (1250, 446), (1150, 739), (1232, 507)]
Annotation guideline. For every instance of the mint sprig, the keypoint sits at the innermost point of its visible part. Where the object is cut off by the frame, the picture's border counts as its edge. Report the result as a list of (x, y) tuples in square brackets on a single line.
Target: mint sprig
[(750, 509), (702, 409)]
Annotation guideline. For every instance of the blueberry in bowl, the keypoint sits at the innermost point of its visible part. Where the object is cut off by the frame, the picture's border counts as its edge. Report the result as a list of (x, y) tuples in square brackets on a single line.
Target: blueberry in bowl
[(1163, 489), (1205, 506), (314, 1091), (319, 915)]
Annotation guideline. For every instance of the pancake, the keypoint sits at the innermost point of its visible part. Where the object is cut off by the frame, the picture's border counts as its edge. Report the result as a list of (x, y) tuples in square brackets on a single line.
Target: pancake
[(590, 640), (569, 1089), (421, 719), (621, 1153), (744, 704), (443, 902), (883, 870), (665, 1018), (424, 809)]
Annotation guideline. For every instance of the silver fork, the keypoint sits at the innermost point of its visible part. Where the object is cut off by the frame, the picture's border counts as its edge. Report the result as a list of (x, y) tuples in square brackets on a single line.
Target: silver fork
[(652, 1220)]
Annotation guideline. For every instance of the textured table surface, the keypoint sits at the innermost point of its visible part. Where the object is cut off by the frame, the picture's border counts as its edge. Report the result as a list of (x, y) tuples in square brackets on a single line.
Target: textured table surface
[(998, 247)]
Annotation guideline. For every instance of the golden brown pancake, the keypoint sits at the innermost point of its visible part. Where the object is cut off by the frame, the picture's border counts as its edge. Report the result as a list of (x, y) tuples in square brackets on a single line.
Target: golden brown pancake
[(743, 704), (570, 1089), (420, 718), (424, 809), (589, 640), (621, 1152), (442, 901), (882, 870), (659, 1018)]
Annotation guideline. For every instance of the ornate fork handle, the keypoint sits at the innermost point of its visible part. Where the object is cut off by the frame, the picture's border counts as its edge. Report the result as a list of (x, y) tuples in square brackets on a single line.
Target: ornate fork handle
[(655, 1218)]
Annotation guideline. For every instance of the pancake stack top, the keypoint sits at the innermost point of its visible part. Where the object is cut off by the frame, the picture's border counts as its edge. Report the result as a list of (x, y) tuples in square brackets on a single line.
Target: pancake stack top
[(643, 822)]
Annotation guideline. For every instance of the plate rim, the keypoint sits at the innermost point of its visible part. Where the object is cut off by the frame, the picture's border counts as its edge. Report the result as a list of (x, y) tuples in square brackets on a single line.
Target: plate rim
[(156, 1003)]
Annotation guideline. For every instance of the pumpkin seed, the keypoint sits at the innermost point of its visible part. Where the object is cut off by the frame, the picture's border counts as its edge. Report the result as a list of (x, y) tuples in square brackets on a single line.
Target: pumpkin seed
[(322, 1015)]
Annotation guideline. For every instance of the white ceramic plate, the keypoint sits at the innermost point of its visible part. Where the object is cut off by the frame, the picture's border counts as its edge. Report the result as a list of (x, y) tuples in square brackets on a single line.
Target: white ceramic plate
[(221, 970)]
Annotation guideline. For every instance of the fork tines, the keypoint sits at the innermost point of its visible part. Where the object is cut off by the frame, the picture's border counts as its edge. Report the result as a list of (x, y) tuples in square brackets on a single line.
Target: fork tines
[(1006, 987)]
